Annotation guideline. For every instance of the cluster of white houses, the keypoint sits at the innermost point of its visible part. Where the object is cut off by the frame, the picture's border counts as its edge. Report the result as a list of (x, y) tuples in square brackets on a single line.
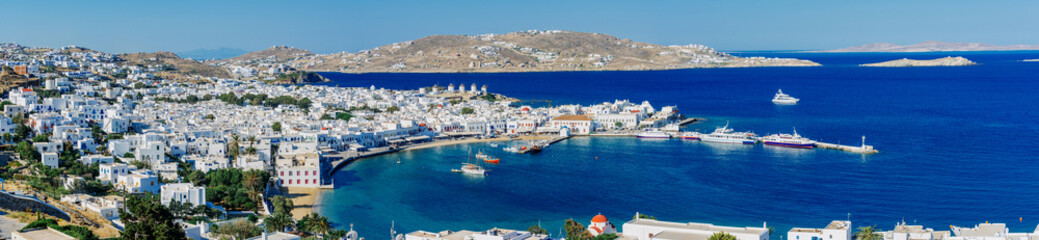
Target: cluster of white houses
[(651, 229)]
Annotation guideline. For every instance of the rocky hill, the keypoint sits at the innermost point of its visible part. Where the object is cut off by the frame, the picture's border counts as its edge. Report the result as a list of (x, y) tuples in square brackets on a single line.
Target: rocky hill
[(9, 79), (940, 62), (178, 65), (527, 51), (275, 54), (933, 46)]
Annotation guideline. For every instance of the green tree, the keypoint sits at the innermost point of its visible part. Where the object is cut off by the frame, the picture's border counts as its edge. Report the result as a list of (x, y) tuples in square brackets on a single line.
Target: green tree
[(618, 125), (468, 110), (22, 131), (644, 216), (535, 229), (392, 109), (276, 126), (145, 218), (210, 117), (721, 236), (240, 229), (41, 138), (303, 103), (336, 234), (606, 236), (868, 233), (27, 152), (345, 116), (277, 222), (254, 182), (575, 230), (281, 204)]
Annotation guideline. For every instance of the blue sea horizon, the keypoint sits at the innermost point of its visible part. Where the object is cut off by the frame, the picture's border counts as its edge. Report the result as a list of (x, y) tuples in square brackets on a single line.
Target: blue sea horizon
[(956, 149)]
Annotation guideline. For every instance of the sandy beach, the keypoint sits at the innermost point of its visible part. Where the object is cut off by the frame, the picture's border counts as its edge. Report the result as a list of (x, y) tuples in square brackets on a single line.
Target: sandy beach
[(303, 200)]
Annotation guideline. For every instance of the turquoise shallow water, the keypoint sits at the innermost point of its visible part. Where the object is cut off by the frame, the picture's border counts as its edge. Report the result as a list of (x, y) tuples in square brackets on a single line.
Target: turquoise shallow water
[(957, 147)]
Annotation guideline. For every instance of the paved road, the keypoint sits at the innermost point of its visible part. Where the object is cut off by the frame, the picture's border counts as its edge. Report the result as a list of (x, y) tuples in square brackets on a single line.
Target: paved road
[(8, 225)]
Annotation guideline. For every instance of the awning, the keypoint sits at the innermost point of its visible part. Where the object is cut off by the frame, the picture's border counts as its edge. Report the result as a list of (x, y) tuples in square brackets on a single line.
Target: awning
[(419, 138), (396, 141)]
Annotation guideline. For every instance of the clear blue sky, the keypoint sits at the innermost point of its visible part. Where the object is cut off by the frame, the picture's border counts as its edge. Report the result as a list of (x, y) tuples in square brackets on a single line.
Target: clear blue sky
[(334, 26)]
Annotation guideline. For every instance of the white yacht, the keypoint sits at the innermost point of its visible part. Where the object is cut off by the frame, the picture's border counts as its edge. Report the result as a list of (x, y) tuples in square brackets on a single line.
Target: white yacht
[(727, 135), (783, 98), (653, 134)]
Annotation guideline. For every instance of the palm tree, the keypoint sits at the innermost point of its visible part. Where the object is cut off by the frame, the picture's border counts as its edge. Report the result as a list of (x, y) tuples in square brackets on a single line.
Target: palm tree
[(336, 234), (277, 222), (319, 224), (868, 233), (232, 148), (722, 236)]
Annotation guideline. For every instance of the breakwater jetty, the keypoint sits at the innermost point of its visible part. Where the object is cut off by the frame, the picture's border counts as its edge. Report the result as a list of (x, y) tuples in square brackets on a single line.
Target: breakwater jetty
[(863, 149)]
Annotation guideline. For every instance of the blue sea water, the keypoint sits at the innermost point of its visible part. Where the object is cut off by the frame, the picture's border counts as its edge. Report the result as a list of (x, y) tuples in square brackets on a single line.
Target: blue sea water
[(957, 148)]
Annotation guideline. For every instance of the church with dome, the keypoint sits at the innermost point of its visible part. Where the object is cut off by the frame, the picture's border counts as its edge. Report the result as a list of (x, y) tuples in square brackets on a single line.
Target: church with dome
[(600, 225)]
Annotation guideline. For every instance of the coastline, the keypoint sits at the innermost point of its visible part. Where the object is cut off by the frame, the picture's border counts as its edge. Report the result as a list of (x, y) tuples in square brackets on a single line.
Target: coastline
[(308, 200)]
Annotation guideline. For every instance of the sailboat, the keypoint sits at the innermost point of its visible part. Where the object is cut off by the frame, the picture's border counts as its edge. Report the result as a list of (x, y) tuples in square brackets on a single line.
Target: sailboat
[(469, 167)]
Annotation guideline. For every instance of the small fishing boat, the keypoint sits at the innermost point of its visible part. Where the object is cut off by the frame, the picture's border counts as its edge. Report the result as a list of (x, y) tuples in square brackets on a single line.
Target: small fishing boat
[(491, 159), (512, 149)]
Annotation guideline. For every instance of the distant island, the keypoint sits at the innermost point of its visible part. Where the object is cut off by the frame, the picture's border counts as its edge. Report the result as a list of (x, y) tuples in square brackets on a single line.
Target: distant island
[(525, 51), (1031, 60), (933, 46), (940, 62)]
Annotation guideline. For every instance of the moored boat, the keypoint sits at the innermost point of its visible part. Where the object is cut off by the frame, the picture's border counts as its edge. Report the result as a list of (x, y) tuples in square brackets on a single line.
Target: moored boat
[(788, 140), (691, 135), (727, 135), (653, 134), (472, 169)]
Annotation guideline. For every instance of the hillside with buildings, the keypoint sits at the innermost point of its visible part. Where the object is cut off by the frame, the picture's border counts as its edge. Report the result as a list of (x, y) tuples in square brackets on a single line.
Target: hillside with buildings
[(169, 61), (527, 51)]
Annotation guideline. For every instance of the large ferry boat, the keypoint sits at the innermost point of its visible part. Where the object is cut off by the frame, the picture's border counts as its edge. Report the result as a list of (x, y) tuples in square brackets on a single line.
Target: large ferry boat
[(783, 98), (788, 140), (727, 135), (653, 134)]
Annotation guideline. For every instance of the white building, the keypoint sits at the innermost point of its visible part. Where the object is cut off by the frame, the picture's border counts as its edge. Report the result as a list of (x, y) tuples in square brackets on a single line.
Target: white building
[(40, 234), (138, 181), (183, 193), (50, 159), (96, 159), (110, 172), (648, 229), (836, 230), (600, 225), (578, 124), (299, 170)]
